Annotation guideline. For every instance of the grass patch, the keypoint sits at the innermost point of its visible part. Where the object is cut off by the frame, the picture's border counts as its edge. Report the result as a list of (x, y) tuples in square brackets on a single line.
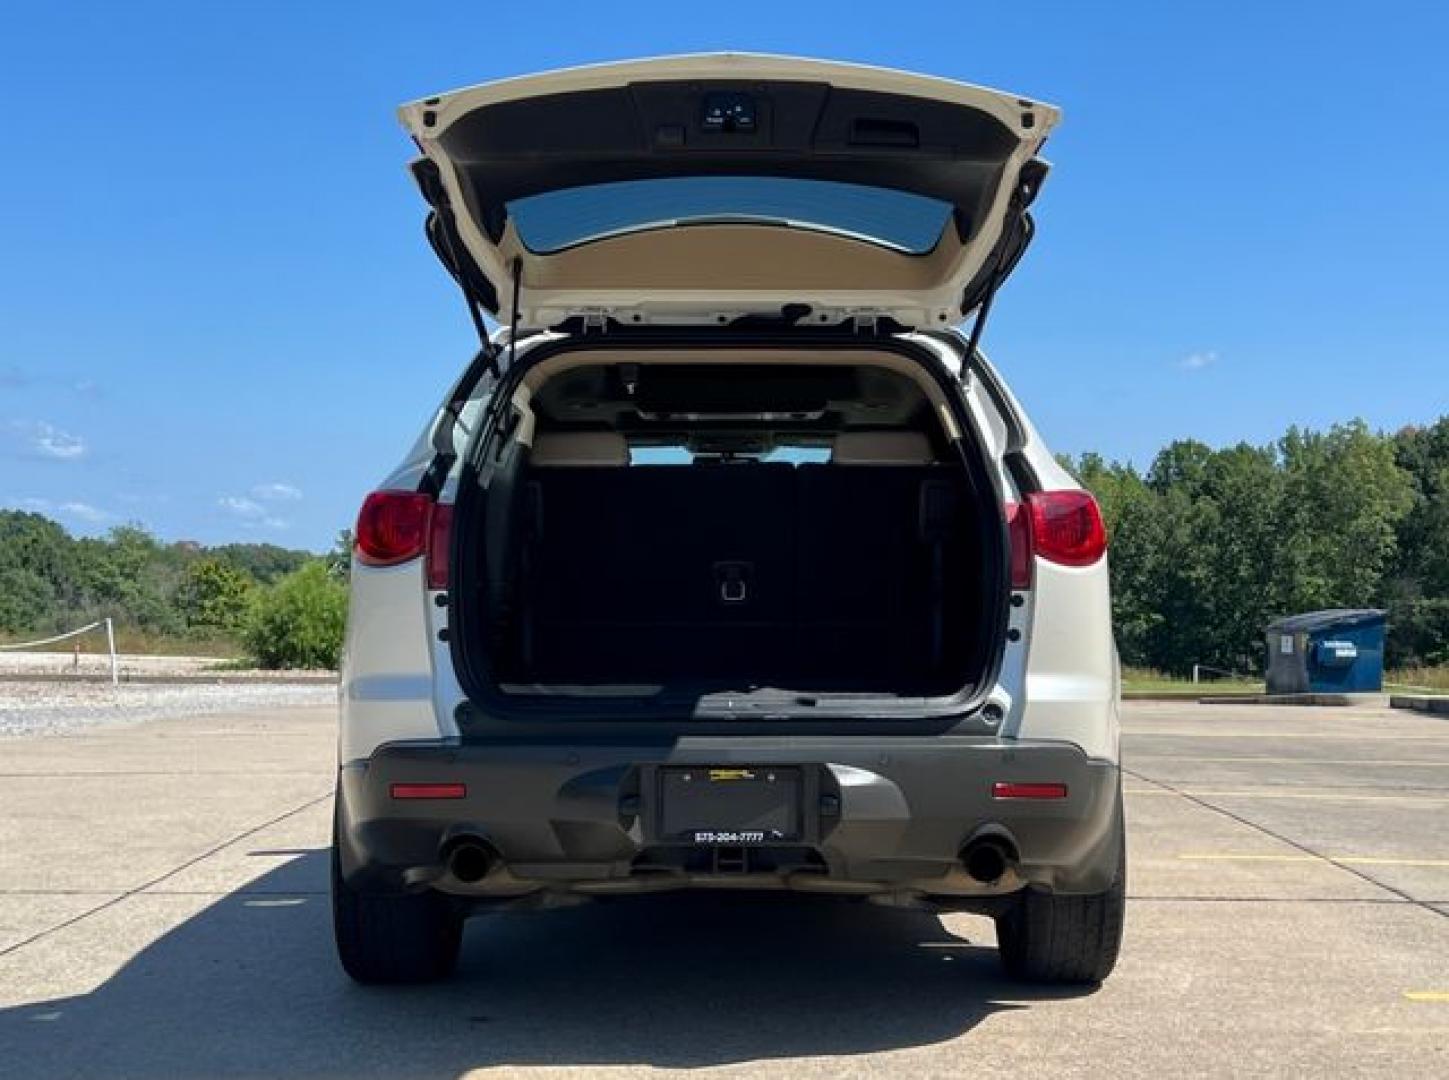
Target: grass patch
[(142, 643), (234, 663), (1426, 678), (135, 642), (1146, 681)]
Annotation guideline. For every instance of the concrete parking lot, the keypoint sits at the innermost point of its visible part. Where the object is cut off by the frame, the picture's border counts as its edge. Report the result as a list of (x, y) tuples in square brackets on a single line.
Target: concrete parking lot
[(163, 913)]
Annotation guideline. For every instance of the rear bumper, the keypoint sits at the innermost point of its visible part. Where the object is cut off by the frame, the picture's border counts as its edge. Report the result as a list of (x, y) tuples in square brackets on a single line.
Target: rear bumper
[(879, 816)]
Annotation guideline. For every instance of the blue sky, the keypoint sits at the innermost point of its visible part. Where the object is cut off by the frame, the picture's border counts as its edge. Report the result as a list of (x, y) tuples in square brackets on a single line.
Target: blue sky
[(218, 316)]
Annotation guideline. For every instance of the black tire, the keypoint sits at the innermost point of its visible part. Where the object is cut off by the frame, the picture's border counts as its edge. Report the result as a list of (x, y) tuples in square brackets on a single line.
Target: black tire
[(387, 938), (1068, 940)]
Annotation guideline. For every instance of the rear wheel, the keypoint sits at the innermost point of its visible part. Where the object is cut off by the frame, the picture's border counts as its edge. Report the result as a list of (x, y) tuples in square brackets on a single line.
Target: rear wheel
[(1064, 939), (387, 938)]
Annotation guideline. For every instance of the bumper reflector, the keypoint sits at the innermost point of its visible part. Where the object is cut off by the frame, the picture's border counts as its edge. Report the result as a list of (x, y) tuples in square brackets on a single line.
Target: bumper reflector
[(429, 791), (1006, 790)]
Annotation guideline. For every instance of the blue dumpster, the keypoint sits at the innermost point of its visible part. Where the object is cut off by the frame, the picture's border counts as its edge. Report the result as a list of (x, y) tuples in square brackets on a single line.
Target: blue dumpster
[(1340, 651)]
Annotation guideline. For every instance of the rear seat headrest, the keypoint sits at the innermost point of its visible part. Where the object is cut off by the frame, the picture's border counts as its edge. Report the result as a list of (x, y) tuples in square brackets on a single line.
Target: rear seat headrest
[(881, 448), (559, 448)]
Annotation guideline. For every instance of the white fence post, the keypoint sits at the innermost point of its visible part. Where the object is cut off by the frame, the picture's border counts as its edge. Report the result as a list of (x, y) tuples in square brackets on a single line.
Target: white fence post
[(111, 644)]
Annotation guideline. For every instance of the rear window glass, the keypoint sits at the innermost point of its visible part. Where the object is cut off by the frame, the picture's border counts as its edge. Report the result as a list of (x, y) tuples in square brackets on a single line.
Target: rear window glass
[(682, 455), (895, 219)]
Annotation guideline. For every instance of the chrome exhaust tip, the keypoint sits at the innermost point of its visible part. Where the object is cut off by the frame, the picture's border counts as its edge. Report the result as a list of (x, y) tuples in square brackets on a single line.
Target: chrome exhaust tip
[(469, 860), (987, 859)]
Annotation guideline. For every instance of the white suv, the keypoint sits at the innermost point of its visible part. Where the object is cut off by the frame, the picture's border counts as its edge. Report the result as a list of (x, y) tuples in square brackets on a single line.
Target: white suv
[(729, 561)]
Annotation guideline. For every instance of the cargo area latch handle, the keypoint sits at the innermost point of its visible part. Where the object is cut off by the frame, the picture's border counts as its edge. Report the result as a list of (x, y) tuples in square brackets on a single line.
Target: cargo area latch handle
[(733, 581)]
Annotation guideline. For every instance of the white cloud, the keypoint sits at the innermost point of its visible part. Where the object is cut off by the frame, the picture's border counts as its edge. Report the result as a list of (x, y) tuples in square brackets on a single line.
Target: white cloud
[(14, 377), (251, 513), (1198, 360), (87, 512), (52, 442), (39, 439), (70, 508), (241, 506), (276, 492)]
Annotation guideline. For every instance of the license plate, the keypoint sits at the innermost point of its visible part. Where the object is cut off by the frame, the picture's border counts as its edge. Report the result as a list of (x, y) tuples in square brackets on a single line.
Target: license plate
[(730, 805)]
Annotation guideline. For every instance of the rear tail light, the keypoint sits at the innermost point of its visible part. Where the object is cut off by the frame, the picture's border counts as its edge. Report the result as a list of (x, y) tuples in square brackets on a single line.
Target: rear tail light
[(1018, 530), (440, 536), (393, 527), (1063, 527), (1066, 527), (1008, 790)]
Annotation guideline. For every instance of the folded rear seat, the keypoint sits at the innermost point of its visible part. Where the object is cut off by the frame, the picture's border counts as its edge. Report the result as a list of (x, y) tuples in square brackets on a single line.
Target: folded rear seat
[(824, 576), (650, 570), (872, 540)]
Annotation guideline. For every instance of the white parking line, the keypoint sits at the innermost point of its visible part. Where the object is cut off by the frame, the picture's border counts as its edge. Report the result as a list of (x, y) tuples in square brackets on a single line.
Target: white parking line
[(1355, 762), (1360, 737), (1279, 793), (1346, 860)]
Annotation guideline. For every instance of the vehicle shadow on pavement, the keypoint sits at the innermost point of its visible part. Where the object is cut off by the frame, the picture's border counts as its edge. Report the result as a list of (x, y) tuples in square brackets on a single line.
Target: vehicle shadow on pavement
[(250, 986)]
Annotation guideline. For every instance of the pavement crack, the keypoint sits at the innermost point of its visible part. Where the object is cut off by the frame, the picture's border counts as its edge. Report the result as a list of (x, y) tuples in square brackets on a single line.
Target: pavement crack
[(127, 894)]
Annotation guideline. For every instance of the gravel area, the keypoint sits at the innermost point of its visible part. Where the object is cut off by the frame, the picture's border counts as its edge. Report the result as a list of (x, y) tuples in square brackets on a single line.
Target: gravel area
[(98, 665), (50, 708)]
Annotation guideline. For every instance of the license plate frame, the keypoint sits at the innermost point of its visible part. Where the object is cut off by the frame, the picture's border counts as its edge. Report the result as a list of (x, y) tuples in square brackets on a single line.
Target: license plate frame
[(729, 805)]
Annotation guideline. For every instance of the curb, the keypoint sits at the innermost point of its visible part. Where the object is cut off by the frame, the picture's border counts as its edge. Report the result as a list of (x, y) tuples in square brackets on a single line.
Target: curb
[(1279, 699), (1437, 704), (1168, 695), (215, 679)]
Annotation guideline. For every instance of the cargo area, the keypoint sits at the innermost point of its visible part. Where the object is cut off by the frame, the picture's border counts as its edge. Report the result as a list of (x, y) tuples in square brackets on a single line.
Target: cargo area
[(686, 529)]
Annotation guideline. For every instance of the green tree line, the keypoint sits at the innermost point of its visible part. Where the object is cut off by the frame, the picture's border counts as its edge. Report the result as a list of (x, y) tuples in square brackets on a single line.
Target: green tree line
[(1208, 546), (283, 607)]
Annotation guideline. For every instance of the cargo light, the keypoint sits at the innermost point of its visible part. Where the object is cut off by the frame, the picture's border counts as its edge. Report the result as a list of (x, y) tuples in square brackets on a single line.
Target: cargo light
[(429, 791), (1003, 789)]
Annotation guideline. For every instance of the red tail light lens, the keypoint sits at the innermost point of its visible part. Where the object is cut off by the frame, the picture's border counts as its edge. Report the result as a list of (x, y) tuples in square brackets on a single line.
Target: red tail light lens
[(1018, 531), (1066, 527), (393, 527), (440, 536)]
